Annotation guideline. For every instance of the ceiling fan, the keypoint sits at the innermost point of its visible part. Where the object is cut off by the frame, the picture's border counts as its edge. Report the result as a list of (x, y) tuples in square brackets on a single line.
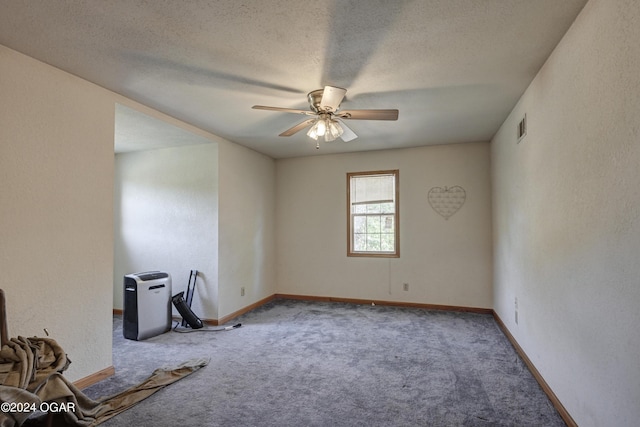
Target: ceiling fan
[(327, 117)]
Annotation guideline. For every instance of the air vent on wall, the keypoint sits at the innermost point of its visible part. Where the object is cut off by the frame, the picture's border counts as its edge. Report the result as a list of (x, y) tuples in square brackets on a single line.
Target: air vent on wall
[(522, 128)]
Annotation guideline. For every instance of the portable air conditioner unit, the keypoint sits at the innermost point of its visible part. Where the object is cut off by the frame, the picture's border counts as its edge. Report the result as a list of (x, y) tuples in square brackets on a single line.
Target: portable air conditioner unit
[(147, 305)]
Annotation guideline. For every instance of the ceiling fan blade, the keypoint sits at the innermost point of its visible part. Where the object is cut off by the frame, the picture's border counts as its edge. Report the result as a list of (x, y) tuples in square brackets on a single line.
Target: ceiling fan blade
[(368, 114), (332, 97), (285, 110), (297, 128), (347, 134)]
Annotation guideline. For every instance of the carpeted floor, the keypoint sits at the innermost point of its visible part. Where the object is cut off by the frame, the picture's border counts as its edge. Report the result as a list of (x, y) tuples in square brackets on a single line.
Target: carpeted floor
[(299, 363)]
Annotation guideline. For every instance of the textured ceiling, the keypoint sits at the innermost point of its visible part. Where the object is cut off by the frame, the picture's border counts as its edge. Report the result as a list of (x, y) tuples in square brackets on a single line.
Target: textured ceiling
[(454, 68)]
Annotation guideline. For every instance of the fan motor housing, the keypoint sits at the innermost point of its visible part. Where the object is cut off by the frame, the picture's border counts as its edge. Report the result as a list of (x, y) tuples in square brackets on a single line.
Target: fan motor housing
[(315, 97)]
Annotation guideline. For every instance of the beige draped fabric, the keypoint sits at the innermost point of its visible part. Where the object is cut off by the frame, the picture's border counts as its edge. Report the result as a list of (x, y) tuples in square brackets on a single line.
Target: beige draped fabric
[(31, 373)]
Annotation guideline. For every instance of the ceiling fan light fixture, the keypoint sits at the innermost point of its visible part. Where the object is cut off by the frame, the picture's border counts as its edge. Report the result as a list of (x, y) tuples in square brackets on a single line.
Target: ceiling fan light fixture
[(313, 131), (321, 127), (325, 127), (334, 130)]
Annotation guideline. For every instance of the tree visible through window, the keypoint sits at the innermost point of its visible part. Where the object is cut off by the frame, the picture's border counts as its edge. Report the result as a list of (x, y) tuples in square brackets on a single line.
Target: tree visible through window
[(372, 199)]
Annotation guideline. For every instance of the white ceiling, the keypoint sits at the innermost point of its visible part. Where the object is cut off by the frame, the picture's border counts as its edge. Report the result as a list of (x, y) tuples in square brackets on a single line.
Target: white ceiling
[(136, 131), (454, 68)]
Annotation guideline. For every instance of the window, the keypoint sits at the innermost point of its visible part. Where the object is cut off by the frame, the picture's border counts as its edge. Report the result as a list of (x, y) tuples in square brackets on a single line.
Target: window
[(372, 203)]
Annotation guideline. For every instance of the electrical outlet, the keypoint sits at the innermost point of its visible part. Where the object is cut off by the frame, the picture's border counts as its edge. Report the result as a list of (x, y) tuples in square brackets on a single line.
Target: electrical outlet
[(242, 291), (405, 286)]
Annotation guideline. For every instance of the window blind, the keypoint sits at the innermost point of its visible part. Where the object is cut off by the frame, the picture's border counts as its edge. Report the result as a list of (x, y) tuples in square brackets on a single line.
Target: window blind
[(372, 189)]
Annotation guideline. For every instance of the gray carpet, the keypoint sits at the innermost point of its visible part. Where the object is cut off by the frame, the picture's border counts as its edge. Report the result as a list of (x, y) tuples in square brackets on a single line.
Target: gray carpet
[(299, 363)]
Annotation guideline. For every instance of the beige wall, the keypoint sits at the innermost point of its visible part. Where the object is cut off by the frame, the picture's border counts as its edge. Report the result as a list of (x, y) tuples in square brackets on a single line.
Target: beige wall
[(166, 218), (215, 212), (567, 217), (444, 261), (56, 208), (57, 212), (246, 227)]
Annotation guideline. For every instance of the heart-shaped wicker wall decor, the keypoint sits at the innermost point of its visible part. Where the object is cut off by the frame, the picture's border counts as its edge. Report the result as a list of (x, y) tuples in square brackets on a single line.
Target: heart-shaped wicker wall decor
[(448, 200)]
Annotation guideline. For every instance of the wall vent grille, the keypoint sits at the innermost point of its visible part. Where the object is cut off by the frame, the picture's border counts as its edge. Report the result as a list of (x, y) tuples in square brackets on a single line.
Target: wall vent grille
[(522, 128)]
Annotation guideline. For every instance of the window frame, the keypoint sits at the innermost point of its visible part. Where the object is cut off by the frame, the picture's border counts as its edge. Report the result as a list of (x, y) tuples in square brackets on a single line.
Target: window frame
[(396, 216)]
